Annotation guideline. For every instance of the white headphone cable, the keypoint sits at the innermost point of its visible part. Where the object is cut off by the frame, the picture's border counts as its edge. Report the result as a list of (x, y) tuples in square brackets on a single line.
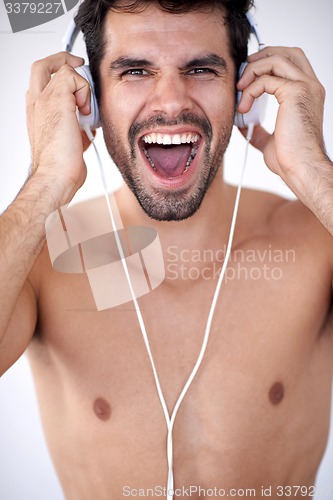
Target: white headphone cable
[(170, 421)]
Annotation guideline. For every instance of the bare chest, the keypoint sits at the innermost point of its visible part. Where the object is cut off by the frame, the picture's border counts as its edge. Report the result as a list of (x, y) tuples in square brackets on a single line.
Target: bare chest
[(263, 383), (270, 322)]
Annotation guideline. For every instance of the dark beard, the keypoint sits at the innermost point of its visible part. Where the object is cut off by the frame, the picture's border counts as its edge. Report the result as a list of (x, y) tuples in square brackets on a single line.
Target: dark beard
[(161, 205)]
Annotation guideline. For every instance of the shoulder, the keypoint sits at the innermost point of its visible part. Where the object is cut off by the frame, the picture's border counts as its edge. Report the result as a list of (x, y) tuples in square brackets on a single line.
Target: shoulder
[(289, 221), (66, 229)]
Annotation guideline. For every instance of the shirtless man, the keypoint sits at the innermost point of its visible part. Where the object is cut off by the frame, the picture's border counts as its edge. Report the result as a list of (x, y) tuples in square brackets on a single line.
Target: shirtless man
[(257, 413)]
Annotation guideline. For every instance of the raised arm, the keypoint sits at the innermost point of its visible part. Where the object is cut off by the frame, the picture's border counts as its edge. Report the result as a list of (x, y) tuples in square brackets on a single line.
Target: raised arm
[(58, 170), (296, 150)]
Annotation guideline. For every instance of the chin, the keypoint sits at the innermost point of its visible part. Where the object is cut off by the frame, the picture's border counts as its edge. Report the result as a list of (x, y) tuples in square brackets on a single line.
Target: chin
[(170, 206), (168, 214)]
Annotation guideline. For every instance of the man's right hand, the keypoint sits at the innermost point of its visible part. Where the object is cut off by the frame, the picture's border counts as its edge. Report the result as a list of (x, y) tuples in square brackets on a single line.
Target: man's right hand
[(55, 136)]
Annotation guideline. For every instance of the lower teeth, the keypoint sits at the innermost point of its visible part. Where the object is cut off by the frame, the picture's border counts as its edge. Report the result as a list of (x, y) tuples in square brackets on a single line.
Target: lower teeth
[(191, 158), (149, 159)]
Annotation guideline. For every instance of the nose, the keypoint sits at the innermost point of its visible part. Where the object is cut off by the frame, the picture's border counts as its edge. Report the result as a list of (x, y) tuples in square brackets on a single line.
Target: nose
[(171, 96)]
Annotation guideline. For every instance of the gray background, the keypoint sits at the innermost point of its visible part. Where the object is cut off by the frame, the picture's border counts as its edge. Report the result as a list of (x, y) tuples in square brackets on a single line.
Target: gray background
[(26, 472)]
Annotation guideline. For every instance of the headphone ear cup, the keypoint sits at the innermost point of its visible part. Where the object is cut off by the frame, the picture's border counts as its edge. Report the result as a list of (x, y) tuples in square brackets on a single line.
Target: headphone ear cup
[(256, 114), (92, 120)]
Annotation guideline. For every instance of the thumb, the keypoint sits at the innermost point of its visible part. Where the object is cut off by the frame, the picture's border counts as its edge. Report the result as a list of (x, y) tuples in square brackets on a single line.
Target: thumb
[(260, 137)]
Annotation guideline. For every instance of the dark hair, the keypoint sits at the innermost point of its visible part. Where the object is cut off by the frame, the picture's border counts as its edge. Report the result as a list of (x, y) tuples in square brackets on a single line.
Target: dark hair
[(92, 13)]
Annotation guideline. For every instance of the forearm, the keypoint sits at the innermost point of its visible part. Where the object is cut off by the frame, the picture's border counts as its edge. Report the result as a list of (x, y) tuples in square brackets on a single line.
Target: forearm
[(315, 189), (22, 236)]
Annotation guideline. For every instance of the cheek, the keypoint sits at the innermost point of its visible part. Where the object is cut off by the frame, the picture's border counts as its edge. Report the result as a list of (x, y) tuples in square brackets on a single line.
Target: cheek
[(118, 108), (221, 112), (215, 99), (222, 101)]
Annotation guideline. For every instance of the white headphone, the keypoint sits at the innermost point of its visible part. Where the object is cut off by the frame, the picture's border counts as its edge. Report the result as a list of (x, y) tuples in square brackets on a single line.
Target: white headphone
[(92, 120), (254, 116), (257, 113)]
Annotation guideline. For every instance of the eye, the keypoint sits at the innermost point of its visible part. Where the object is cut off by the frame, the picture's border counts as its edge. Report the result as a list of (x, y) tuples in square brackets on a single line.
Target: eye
[(202, 71), (135, 72)]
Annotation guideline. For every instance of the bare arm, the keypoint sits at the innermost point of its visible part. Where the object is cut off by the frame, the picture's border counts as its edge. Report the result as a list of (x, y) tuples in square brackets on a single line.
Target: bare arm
[(57, 172), (296, 150), (22, 237)]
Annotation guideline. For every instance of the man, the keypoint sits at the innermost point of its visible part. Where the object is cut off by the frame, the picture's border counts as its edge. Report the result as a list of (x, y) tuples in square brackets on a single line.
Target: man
[(256, 415)]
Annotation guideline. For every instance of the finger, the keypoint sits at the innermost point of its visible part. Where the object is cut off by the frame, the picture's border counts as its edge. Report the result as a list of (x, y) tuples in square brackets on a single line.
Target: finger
[(66, 87), (283, 90), (294, 54), (276, 65), (42, 70), (67, 82), (270, 84)]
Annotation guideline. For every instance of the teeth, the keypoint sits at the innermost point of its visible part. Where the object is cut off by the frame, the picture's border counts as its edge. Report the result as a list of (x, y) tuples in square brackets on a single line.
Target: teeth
[(191, 158), (149, 159), (169, 139)]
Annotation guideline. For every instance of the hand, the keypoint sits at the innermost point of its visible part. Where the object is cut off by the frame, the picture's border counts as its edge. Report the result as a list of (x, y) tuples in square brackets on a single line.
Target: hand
[(56, 139), (297, 143)]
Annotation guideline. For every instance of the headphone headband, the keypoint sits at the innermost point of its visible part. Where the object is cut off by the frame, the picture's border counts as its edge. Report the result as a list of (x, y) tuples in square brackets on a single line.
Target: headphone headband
[(70, 36), (254, 28)]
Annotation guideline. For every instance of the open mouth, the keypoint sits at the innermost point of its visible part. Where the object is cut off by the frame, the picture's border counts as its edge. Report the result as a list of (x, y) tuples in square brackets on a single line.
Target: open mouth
[(171, 155)]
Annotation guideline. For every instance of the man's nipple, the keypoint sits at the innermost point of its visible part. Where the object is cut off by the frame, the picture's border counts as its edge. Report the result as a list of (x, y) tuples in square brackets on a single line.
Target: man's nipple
[(102, 409), (276, 393)]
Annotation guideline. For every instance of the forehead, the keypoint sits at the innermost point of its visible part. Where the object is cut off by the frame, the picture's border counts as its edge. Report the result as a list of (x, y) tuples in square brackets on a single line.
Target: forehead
[(157, 31)]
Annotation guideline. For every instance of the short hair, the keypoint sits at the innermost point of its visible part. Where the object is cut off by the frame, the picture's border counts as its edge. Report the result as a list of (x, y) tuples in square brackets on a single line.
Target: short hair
[(92, 13)]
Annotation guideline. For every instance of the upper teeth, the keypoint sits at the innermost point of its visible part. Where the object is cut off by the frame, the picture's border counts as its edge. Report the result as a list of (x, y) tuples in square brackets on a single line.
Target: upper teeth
[(167, 139)]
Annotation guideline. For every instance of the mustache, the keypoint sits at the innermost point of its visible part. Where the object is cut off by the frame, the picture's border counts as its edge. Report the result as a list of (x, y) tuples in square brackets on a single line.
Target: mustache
[(159, 120)]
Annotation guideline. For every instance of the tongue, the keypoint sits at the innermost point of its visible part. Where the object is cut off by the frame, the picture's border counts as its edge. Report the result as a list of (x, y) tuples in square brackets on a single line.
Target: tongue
[(170, 161)]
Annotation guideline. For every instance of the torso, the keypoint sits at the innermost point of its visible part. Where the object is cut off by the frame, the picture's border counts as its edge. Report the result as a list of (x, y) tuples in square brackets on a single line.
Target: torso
[(257, 412)]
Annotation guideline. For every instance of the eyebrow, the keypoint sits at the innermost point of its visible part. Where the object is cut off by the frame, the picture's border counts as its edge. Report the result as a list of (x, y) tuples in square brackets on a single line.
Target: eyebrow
[(211, 60), (125, 62)]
